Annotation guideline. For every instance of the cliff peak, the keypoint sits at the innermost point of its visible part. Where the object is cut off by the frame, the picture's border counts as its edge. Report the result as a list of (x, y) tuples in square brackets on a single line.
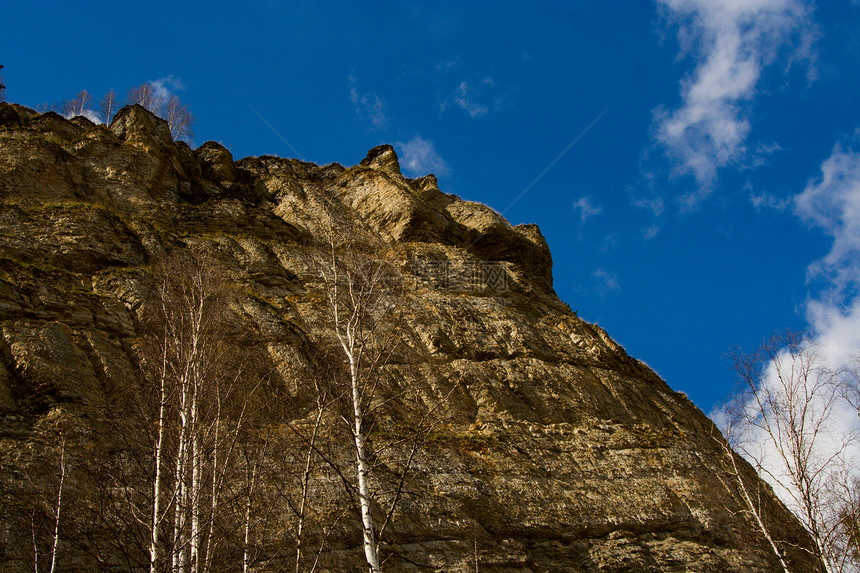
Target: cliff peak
[(135, 123), (382, 157)]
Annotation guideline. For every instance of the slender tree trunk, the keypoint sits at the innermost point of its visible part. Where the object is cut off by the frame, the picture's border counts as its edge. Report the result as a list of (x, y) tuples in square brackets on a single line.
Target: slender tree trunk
[(246, 538), (246, 526), (179, 533), (371, 551), (154, 555), (215, 489), (753, 508), (305, 483), (35, 544), (59, 509), (196, 470)]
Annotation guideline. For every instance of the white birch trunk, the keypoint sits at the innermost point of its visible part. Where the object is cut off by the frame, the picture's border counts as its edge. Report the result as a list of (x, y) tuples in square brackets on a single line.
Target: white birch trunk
[(59, 509), (154, 555), (213, 508), (371, 552), (35, 544), (305, 486), (154, 550), (246, 534), (196, 457), (181, 493), (754, 509)]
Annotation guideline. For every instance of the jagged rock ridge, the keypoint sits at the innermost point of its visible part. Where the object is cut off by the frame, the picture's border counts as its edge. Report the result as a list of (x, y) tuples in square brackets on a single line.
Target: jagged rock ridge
[(559, 452)]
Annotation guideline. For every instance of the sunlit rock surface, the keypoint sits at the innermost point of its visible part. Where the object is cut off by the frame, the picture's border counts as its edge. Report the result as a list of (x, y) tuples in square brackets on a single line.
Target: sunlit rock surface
[(556, 452)]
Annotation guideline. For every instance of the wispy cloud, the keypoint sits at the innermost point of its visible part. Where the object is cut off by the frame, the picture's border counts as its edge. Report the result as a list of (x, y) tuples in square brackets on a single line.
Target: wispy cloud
[(477, 97), (367, 104), (650, 232), (586, 209), (607, 281), (763, 201), (163, 88), (419, 157), (655, 206), (732, 43), (447, 65), (466, 97), (832, 203)]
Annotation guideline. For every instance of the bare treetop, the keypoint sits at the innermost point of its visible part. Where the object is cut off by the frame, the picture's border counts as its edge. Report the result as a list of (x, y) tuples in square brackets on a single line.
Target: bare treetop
[(143, 95), (78, 105), (179, 119), (107, 107)]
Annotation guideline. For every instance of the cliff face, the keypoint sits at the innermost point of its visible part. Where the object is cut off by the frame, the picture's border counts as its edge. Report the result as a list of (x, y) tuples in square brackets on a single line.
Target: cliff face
[(553, 450)]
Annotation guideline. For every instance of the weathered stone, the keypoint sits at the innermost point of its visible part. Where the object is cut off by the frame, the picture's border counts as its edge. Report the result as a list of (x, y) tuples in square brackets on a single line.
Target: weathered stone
[(217, 161), (555, 451), (383, 158), (135, 124)]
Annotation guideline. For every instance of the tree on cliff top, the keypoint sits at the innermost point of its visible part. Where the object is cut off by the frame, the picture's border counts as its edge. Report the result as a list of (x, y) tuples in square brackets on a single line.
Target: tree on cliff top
[(2, 87)]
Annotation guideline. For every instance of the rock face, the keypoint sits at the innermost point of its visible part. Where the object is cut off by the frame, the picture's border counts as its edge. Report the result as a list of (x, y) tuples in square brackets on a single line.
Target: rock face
[(556, 451)]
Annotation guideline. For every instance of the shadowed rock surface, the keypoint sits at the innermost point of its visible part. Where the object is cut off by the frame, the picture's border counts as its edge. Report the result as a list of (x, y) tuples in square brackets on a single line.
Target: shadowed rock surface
[(556, 451)]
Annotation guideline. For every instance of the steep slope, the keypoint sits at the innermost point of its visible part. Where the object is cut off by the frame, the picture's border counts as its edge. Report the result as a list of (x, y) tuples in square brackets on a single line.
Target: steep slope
[(554, 450)]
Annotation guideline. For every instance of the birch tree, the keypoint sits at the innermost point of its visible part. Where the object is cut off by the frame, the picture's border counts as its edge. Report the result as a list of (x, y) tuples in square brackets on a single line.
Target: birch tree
[(751, 496), (54, 504), (788, 421), (361, 292), (145, 96), (77, 106), (363, 288), (179, 119), (202, 403), (107, 106)]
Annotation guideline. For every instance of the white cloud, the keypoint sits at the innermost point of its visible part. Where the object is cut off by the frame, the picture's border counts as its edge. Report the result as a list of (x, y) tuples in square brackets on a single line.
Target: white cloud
[(654, 204), (478, 97), (368, 105), (418, 157), (447, 65), (586, 209), (797, 383), (467, 98), (764, 200), (607, 281), (87, 113), (832, 203), (163, 88), (732, 41), (836, 329), (650, 232), (92, 116)]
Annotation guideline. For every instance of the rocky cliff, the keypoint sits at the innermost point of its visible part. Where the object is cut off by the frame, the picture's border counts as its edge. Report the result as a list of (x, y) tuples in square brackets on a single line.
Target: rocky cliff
[(550, 449)]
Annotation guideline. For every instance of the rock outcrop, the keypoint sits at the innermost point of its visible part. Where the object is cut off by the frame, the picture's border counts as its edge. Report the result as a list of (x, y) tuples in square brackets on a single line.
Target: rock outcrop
[(556, 452)]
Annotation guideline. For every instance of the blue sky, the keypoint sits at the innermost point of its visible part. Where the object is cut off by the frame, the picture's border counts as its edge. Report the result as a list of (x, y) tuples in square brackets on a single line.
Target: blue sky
[(694, 164)]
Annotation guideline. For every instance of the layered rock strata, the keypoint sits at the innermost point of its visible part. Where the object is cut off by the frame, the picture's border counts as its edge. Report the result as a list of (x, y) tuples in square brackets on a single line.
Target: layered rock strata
[(555, 450)]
